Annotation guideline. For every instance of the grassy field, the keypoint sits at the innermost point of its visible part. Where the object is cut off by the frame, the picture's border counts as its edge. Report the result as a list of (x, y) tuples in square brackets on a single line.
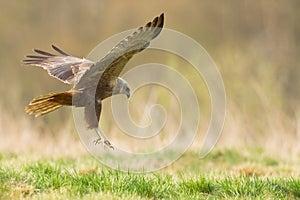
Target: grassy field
[(226, 173)]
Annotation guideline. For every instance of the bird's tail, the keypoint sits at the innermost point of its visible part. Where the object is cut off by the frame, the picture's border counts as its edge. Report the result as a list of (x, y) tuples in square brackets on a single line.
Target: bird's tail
[(46, 103)]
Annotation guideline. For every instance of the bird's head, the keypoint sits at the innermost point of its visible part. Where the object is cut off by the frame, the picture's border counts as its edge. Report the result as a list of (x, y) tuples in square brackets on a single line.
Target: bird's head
[(122, 88)]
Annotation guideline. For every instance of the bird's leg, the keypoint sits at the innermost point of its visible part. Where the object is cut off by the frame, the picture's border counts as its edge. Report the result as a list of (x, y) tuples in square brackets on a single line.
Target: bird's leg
[(102, 139)]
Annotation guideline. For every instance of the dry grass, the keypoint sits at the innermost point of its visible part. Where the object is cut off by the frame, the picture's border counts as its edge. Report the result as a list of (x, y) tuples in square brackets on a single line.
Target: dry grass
[(28, 137)]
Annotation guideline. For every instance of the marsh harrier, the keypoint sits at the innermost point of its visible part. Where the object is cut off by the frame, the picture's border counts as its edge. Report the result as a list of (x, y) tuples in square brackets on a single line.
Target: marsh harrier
[(93, 81)]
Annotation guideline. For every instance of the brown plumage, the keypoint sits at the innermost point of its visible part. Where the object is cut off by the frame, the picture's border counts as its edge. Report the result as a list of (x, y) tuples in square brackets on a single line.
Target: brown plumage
[(93, 81)]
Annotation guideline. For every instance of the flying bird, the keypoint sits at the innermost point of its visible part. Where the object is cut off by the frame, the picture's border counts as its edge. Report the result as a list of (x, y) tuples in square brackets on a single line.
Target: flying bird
[(93, 81)]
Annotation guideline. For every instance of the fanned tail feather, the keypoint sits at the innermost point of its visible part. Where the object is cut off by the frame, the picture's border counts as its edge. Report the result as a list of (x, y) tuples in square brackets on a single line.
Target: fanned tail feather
[(48, 102)]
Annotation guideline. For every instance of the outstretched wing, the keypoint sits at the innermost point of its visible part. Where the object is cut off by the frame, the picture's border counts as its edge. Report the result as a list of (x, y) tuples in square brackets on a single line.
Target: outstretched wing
[(110, 67), (64, 67), (131, 45)]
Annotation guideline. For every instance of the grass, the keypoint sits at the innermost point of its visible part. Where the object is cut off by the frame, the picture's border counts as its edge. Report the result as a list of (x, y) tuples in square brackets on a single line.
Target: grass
[(234, 176)]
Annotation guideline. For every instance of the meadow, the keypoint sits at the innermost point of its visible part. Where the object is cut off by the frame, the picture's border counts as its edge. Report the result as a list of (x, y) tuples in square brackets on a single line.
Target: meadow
[(254, 176)]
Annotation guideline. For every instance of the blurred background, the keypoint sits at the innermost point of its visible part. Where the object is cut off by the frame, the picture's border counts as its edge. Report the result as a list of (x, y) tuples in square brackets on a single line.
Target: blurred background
[(255, 44)]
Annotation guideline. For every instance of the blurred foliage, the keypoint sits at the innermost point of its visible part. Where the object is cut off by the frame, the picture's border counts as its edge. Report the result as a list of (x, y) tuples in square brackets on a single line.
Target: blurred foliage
[(254, 43)]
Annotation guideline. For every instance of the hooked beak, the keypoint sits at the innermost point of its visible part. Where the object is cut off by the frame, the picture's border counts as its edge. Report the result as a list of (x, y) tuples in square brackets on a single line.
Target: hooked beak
[(128, 94)]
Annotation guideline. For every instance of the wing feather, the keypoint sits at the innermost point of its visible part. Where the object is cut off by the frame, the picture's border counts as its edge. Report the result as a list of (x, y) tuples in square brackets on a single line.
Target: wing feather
[(110, 67), (131, 45), (59, 50), (64, 67)]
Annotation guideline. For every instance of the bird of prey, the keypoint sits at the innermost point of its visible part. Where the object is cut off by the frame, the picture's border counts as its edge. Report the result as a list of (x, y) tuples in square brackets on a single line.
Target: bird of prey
[(93, 81)]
